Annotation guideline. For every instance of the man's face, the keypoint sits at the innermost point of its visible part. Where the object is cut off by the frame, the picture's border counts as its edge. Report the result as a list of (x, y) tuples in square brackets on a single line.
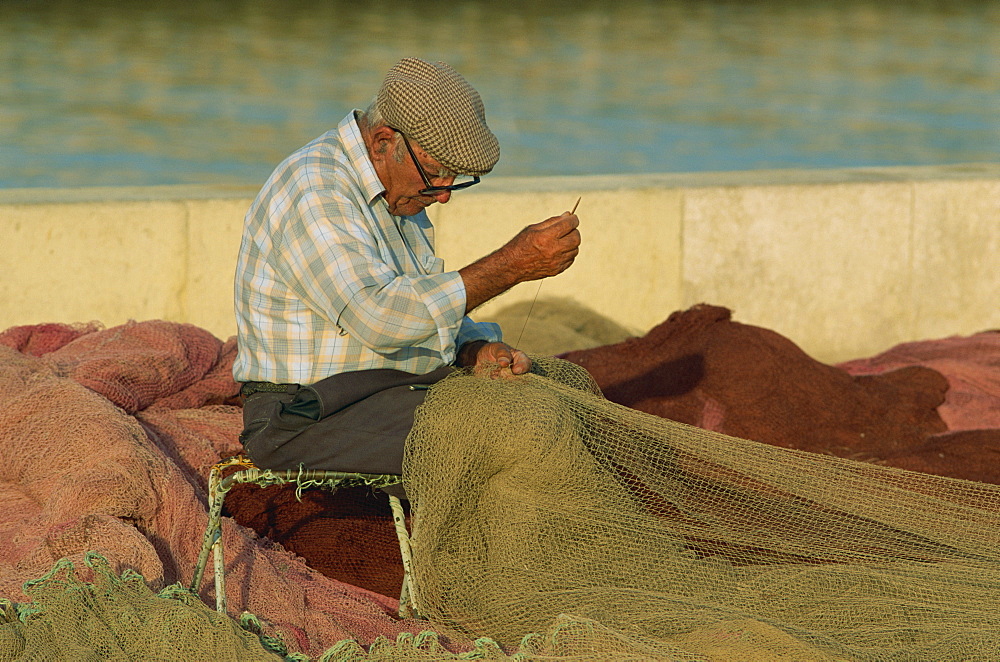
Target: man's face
[(403, 181)]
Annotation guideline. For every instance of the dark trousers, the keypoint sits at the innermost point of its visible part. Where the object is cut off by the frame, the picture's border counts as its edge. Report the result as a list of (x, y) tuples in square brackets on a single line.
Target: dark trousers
[(354, 421)]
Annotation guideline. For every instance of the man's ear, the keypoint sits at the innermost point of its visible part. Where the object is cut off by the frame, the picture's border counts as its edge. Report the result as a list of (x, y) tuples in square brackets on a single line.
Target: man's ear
[(381, 140)]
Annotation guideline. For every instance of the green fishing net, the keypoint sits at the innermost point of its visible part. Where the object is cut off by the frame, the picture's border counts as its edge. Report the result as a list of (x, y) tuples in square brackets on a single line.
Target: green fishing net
[(118, 618), (535, 498)]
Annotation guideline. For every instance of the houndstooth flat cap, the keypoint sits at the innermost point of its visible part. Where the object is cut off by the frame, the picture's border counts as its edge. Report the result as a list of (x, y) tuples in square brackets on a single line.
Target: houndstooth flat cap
[(432, 104)]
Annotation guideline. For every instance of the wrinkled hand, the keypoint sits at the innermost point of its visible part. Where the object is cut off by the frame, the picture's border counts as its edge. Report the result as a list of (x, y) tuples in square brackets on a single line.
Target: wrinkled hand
[(538, 251), (503, 355), (545, 249)]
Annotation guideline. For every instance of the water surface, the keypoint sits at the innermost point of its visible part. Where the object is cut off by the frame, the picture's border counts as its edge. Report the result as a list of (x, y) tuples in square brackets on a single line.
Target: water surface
[(108, 93)]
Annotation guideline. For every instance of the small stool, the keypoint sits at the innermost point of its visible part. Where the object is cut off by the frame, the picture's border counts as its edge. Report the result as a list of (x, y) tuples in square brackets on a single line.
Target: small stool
[(248, 472)]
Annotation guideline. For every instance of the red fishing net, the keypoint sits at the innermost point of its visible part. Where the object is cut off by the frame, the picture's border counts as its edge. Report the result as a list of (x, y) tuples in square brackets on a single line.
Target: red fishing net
[(107, 437), (900, 408)]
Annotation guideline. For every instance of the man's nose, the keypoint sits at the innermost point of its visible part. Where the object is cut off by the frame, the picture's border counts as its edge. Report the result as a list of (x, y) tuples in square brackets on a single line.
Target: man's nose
[(442, 197)]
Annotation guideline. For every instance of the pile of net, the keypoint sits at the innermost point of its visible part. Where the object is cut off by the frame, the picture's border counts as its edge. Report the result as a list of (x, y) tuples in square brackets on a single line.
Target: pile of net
[(932, 406), (107, 436), (536, 497), (118, 618), (547, 518)]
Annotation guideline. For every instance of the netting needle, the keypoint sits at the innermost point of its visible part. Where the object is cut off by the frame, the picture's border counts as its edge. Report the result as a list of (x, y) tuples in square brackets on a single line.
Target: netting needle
[(532, 306)]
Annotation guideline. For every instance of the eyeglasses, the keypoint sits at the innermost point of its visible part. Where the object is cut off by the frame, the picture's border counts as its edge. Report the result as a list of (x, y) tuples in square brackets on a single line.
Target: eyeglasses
[(433, 190)]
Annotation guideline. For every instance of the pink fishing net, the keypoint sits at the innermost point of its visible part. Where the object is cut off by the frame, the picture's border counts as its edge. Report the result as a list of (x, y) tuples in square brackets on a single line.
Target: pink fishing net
[(107, 436)]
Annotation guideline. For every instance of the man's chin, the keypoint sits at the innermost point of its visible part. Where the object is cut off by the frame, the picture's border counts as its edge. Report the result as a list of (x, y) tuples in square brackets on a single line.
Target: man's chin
[(416, 206), (410, 207)]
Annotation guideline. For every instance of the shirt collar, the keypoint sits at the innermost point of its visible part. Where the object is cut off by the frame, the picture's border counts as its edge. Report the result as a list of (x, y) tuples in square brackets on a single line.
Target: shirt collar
[(357, 152)]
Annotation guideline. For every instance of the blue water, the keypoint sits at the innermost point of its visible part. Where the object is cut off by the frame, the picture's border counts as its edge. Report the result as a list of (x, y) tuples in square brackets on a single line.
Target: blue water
[(96, 94)]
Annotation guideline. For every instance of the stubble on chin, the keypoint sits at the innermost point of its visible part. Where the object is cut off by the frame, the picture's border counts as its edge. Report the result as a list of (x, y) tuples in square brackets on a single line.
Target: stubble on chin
[(415, 206), (407, 207)]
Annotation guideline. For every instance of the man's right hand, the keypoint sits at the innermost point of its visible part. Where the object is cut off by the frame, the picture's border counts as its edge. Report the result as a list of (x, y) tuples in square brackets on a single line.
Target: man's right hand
[(545, 249), (538, 251)]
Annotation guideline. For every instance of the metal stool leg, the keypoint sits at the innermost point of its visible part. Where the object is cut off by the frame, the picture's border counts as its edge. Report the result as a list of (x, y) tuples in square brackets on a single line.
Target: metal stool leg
[(212, 541), (408, 595), (218, 556), (213, 532)]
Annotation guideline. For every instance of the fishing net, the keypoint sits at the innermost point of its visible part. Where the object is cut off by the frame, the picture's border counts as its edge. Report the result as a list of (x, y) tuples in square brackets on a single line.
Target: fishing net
[(971, 364), (118, 618), (548, 519), (107, 436), (703, 368), (536, 499)]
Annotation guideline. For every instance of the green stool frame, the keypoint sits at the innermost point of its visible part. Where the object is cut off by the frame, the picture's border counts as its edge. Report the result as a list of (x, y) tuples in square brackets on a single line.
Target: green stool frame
[(248, 472)]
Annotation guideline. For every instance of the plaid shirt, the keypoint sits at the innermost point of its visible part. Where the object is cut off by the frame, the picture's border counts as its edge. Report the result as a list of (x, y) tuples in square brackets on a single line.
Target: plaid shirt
[(328, 281)]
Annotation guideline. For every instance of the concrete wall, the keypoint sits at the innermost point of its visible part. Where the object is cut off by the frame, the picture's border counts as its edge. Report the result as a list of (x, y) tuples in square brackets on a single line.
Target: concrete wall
[(845, 263)]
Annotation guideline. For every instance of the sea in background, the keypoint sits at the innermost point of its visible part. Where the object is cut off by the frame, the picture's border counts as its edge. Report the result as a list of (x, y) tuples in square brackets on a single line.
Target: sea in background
[(219, 91)]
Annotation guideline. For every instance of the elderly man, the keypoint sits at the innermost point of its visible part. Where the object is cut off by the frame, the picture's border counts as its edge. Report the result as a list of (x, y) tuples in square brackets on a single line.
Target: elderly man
[(345, 315)]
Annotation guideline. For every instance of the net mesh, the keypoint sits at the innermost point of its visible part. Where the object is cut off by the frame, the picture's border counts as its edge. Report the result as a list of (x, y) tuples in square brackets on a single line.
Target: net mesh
[(118, 618), (535, 497), (83, 472)]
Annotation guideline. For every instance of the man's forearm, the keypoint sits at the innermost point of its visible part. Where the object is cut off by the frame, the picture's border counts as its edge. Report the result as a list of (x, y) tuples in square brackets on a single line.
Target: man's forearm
[(486, 278)]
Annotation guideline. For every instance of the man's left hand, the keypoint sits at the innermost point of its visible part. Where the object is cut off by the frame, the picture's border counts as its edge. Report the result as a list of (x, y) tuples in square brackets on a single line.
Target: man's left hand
[(502, 354)]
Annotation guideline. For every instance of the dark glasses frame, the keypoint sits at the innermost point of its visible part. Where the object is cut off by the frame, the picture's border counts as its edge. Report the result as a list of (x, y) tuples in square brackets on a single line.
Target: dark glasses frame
[(429, 188)]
